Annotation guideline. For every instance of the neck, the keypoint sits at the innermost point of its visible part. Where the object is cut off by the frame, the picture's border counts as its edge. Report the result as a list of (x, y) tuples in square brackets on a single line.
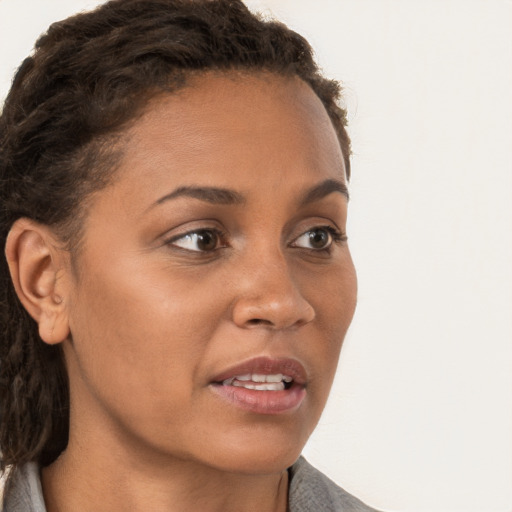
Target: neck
[(107, 467), (84, 478)]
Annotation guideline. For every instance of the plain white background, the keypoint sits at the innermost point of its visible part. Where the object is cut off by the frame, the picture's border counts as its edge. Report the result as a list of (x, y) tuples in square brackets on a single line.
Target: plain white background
[(420, 417)]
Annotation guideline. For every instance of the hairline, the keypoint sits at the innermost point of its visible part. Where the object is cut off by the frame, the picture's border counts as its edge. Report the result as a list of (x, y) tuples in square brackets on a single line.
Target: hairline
[(110, 162)]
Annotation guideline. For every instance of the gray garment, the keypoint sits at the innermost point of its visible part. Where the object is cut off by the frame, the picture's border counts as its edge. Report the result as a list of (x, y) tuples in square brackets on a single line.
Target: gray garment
[(23, 493), (310, 491)]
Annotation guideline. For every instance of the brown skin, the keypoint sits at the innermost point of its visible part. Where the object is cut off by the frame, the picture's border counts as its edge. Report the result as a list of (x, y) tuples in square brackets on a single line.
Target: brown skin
[(148, 323)]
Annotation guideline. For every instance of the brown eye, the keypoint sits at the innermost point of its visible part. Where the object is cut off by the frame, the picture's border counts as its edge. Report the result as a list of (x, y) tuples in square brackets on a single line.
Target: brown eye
[(206, 240), (317, 239), (202, 240)]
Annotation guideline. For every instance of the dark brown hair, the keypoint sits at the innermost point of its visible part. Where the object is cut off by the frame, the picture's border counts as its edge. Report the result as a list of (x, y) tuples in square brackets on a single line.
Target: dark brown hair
[(88, 77)]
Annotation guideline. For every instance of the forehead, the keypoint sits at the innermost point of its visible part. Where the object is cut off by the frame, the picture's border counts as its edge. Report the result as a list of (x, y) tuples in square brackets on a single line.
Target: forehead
[(235, 130)]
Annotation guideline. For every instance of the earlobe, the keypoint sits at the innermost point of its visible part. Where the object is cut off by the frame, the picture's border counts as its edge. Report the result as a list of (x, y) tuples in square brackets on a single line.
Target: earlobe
[(38, 273)]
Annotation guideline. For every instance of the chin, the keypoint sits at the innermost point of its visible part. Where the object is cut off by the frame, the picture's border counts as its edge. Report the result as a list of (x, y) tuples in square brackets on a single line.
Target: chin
[(263, 463), (258, 454)]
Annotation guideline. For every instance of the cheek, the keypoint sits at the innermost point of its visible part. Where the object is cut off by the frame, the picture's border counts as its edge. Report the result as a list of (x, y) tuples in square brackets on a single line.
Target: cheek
[(137, 334), (333, 294), (335, 303), (345, 295)]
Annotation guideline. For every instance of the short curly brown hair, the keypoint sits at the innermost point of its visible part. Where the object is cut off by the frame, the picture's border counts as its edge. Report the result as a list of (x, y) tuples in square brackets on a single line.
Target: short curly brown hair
[(88, 77)]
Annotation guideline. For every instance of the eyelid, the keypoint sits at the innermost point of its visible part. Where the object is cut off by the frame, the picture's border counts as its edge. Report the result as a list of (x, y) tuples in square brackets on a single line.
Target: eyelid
[(190, 226), (337, 236), (170, 241)]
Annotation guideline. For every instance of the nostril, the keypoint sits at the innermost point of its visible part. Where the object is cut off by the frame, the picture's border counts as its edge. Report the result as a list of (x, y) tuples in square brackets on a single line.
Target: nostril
[(272, 312), (258, 321)]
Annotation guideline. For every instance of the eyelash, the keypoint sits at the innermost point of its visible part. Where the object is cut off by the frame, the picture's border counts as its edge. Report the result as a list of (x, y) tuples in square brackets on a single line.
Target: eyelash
[(337, 237), (220, 236)]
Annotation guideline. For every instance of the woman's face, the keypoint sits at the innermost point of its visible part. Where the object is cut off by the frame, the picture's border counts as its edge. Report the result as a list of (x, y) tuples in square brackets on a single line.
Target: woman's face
[(215, 260)]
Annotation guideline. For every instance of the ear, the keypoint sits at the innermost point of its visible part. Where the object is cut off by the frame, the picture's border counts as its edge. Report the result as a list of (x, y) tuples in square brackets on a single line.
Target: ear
[(40, 277)]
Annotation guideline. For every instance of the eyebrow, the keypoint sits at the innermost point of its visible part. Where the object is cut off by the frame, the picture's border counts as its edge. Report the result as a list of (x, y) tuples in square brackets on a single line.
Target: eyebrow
[(324, 189), (213, 195), (224, 196)]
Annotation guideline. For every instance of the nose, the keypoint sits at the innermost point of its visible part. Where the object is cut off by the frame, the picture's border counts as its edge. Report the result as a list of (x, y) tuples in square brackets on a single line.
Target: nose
[(270, 298)]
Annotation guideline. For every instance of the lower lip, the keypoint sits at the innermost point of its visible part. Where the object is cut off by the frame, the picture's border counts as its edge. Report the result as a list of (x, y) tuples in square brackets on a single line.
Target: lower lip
[(262, 402)]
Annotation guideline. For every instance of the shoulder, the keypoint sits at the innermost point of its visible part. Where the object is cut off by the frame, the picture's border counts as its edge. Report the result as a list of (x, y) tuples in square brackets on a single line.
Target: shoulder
[(312, 491), (23, 492)]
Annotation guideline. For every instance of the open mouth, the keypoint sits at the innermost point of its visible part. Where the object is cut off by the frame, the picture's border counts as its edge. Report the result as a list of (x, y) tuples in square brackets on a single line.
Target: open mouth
[(260, 382), (263, 385)]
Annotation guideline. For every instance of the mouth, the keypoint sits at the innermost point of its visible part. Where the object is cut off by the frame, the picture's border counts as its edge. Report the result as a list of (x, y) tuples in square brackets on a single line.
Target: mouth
[(263, 385), (260, 381)]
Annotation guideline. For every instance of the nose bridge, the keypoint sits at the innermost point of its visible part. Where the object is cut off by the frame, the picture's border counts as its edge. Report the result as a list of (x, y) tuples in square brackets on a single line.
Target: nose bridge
[(269, 295)]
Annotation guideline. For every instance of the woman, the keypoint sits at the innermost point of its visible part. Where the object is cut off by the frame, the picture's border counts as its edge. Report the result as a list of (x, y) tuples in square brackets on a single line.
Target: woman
[(177, 281)]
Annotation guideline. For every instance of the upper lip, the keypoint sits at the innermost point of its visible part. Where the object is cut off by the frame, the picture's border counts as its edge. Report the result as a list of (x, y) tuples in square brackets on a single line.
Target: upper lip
[(266, 366)]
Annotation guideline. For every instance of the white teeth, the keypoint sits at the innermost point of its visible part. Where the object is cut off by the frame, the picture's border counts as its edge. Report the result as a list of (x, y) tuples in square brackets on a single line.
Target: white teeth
[(258, 377), (273, 382), (274, 386), (244, 385), (278, 377)]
